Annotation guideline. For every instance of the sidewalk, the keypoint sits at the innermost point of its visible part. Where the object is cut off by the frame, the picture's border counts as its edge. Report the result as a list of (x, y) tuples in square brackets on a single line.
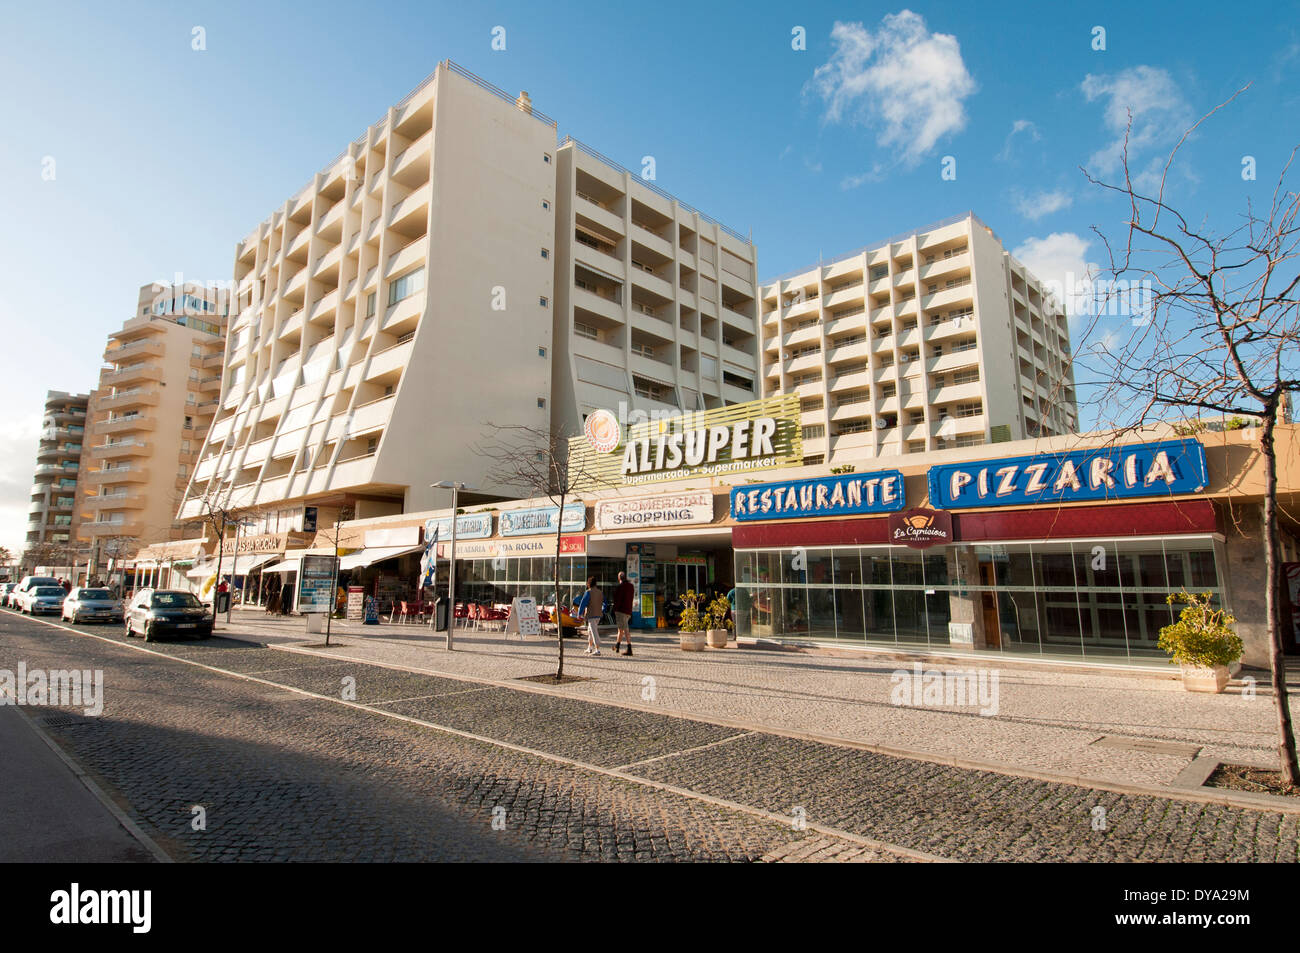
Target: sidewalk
[(1046, 721), (46, 813)]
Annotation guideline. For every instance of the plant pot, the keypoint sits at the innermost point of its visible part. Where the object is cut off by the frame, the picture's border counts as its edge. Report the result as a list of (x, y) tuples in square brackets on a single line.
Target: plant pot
[(692, 641), (1199, 679), (718, 638)]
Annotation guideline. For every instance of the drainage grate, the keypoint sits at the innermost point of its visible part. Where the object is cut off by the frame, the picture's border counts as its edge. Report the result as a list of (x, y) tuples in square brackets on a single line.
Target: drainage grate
[(65, 720), (1150, 746)]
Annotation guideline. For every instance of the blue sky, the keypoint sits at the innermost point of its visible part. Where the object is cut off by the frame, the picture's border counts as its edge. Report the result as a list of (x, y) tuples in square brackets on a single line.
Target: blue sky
[(164, 156)]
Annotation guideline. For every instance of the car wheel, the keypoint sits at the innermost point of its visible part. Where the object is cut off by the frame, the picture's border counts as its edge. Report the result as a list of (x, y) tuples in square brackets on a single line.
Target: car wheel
[(129, 633)]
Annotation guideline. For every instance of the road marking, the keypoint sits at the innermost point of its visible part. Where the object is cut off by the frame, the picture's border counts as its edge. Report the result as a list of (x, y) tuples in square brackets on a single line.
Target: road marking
[(678, 754)]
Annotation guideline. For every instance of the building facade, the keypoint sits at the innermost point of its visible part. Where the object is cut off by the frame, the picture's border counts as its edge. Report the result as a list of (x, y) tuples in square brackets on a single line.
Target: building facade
[(53, 517), (149, 417), (373, 305), (655, 302), (935, 338)]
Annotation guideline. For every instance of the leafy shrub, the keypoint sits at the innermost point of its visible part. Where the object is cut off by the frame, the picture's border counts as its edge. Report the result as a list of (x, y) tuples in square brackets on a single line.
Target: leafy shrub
[(1203, 635), (691, 620)]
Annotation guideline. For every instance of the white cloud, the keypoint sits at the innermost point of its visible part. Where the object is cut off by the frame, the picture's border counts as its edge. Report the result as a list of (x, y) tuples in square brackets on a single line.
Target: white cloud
[(1060, 261), (1160, 115), (1039, 204), (1017, 127), (905, 82)]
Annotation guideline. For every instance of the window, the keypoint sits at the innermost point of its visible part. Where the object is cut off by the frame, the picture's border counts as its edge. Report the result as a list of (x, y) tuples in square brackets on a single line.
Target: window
[(545, 253), (814, 431), (541, 403), (916, 417), (405, 286), (585, 331), (182, 471), (809, 404), (815, 460), (541, 352), (854, 397), (546, 205), (963, 346), (185, 446), (888, 389), (855, 426), (645, 350), (370, 305), (968, 376), (544, 301), (916, 446), (189, 423), (970, 440), (971, 408), (648, 389), (191, 398), (546, 157)]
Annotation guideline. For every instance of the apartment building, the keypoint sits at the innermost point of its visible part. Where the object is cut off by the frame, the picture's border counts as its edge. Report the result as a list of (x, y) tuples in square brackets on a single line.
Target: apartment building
[(52, 521), (655, 302), (149, 416), (933, 339), (388, 309), (456, 267)]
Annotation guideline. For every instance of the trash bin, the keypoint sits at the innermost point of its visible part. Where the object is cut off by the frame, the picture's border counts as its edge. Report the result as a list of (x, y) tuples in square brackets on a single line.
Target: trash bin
[(222, 603), (440, 614)]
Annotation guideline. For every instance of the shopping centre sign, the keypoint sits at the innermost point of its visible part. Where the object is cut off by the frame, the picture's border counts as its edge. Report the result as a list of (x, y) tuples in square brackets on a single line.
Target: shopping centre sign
[(667, 509), (756, 435), (540, 520), (1163, 468), (845, 495)]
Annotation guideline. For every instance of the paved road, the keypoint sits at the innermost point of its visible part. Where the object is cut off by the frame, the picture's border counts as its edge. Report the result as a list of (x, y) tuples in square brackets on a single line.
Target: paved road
[(290, 776), (281, 776)]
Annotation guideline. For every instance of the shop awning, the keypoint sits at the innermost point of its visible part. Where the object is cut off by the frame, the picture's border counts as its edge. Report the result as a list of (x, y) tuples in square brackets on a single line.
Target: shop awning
[(287, 565), (247, 564), (202, 571), (375, 554)]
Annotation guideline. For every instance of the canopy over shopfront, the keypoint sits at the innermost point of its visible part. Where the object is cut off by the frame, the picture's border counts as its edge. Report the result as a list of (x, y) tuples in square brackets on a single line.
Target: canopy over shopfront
[(376, 554)]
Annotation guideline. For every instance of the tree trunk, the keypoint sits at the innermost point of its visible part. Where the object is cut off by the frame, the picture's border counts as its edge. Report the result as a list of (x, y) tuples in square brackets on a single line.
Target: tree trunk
[(216, 586), (559, 623), (1286, 748)]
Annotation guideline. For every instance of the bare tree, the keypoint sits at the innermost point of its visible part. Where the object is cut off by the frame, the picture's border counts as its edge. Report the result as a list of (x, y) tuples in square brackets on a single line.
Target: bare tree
[(1217, 331), (536, 460), (217, 513)]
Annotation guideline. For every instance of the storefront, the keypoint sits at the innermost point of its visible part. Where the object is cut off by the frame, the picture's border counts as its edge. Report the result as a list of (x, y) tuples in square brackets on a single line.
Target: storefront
[(1069, 555)]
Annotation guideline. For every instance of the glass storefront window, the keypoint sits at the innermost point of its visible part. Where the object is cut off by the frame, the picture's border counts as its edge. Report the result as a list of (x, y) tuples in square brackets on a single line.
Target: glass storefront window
[(1100, 599)]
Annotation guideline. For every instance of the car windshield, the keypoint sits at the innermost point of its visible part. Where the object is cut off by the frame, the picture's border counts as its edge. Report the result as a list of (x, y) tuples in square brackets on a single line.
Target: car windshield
[(175, 600), (48, 591), (95, 595)]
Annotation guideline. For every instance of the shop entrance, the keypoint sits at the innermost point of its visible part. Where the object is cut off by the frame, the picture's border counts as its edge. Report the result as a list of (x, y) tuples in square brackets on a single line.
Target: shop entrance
[(989, 606)]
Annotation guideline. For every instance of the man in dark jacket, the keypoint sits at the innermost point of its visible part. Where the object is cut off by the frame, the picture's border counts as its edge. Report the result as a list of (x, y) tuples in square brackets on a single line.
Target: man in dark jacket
[(624, 594)]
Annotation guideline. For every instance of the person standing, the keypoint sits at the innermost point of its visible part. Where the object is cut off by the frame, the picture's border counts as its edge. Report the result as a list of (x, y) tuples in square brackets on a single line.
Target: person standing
[(624, 594), (589, 608)]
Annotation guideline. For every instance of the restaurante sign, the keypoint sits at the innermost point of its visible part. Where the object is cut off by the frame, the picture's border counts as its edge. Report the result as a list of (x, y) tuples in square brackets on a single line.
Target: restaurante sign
[(847, 495)]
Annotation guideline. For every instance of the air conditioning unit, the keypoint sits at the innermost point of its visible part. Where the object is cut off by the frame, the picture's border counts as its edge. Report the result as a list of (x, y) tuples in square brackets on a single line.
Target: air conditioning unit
[(881, 423)]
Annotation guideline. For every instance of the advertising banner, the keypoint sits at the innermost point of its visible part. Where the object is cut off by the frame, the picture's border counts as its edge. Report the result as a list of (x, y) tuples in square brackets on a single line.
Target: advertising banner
[(1164, 468), (852, 494), (920, 528), (533, 546), (541, 520), (669, 509), (468, 526), (316, 584)]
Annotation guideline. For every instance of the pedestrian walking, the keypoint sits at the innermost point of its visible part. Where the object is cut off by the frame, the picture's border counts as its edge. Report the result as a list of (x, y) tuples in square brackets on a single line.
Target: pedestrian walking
[(589, 608), (624, 593), (286, 599)]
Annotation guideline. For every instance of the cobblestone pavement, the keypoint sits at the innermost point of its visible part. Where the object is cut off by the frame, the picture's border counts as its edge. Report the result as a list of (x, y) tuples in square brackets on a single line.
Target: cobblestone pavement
[(1047, 721), (284, 777), (950, 812)]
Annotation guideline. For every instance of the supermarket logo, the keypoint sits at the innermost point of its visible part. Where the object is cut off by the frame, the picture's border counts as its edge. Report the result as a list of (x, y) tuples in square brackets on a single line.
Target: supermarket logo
[(603, 431)]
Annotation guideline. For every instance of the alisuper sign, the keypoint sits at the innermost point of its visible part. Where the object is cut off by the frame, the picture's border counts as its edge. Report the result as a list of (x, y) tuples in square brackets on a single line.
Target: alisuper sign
[(1097, 473), (847, 495)]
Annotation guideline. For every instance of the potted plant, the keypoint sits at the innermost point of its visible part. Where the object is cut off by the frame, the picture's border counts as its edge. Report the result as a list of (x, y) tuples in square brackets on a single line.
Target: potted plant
[(690, 627), (1202, 642), (716, 619)]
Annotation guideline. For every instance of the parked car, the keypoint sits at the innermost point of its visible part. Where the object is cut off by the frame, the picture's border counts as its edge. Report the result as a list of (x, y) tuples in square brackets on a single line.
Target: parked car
[(86, 604), (154, 613), (42, 600), (27, 582), (5, 589)]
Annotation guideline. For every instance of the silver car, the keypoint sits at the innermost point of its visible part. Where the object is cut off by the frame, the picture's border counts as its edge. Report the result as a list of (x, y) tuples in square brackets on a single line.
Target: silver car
[(87, 604), (43, 600)]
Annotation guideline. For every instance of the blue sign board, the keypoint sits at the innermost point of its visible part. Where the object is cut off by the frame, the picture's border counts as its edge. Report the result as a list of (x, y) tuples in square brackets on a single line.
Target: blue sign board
[(541, 520), (850, 494), (1098, 473), (468, 526)]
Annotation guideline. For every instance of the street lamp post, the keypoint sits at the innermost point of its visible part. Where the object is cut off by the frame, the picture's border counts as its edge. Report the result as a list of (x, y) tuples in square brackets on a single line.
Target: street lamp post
[(451, 562)]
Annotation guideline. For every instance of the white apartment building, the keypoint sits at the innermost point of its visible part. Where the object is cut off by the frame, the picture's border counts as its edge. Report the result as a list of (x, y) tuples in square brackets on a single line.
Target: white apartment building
[(388, 310), (457, 267), (52, 516), (149, 417), (935, 338), (656, 303)]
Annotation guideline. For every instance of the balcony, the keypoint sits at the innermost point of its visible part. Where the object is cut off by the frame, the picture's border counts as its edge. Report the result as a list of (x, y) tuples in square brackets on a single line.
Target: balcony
[(120, 450), (125, 400), (141, 348), (597, 304), (954, 392), (113, 527), (135, 374), (117, 475)]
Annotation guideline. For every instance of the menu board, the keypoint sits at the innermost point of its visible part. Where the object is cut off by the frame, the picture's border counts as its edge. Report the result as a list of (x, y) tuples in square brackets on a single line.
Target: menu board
[(356, 603), (523, 617)]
